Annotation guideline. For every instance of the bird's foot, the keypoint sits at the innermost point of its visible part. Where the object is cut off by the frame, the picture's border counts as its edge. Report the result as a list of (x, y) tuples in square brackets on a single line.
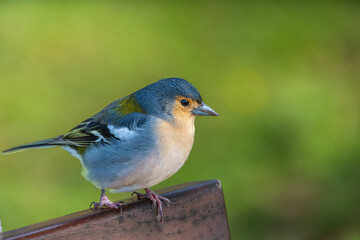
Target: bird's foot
[(156, 201), (105, 202)]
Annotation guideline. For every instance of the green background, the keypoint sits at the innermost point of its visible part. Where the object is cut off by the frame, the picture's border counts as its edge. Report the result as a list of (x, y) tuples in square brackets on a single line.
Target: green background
[(284, 78)]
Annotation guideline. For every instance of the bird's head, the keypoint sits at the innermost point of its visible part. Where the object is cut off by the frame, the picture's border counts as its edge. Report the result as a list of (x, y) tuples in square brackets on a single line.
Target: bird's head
[(173, 98)]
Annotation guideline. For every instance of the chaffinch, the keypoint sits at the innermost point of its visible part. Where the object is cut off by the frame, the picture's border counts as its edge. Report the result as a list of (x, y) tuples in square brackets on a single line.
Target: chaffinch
[(135, 142)]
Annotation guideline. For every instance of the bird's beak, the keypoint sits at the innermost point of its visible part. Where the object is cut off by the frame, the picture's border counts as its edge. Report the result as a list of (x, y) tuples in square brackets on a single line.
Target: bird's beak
[(204, 110)]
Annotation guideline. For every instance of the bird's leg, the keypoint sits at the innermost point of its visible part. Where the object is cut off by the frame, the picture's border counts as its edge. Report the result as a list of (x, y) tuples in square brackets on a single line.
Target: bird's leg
[(156, 201), (105, 202)]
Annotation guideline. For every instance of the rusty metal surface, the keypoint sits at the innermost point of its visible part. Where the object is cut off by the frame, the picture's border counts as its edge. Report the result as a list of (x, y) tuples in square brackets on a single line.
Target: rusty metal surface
[(197, 212)]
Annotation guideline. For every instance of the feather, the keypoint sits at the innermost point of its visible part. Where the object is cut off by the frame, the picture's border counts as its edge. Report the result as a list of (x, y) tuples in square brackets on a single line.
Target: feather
[(92, 131), (39, 144)]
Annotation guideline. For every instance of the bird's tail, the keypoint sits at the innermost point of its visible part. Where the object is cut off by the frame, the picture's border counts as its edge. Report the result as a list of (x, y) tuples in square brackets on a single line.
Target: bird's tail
[(52, 142)]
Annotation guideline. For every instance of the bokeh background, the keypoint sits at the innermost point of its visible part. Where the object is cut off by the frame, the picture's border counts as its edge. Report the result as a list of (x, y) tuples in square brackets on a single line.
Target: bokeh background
[(284, 78)]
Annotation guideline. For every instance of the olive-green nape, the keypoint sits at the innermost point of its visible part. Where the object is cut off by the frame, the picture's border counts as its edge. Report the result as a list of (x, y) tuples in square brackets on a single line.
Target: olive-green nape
[(129, 105)]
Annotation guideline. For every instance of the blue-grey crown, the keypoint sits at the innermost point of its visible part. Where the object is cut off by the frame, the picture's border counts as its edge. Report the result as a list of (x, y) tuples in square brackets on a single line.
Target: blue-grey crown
[(158, 98)]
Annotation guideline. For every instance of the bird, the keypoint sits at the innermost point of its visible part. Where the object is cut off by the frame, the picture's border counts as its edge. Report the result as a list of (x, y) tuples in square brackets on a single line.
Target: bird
[(136, 141)]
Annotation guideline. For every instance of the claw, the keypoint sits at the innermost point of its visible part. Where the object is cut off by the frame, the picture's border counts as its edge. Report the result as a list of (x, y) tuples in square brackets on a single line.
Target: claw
[(156, 201), (166, 200), (91, 204), (105, 202), (138, 195)]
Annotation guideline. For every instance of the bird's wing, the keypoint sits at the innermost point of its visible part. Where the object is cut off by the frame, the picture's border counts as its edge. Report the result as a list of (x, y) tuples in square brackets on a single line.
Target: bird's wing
[(96, 129)]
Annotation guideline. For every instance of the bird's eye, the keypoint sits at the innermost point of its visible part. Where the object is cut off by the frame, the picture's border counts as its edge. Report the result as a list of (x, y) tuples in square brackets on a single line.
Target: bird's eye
[(184, 102)]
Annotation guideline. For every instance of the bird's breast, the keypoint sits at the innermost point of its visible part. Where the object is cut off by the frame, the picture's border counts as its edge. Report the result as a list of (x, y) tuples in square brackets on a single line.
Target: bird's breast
[(174, 145)]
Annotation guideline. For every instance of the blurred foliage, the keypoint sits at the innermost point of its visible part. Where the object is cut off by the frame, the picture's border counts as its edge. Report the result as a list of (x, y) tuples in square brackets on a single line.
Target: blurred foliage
[(284, 78)]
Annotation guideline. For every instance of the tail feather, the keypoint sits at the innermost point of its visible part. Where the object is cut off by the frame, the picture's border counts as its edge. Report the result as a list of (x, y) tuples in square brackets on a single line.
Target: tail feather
[(52, 142)]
